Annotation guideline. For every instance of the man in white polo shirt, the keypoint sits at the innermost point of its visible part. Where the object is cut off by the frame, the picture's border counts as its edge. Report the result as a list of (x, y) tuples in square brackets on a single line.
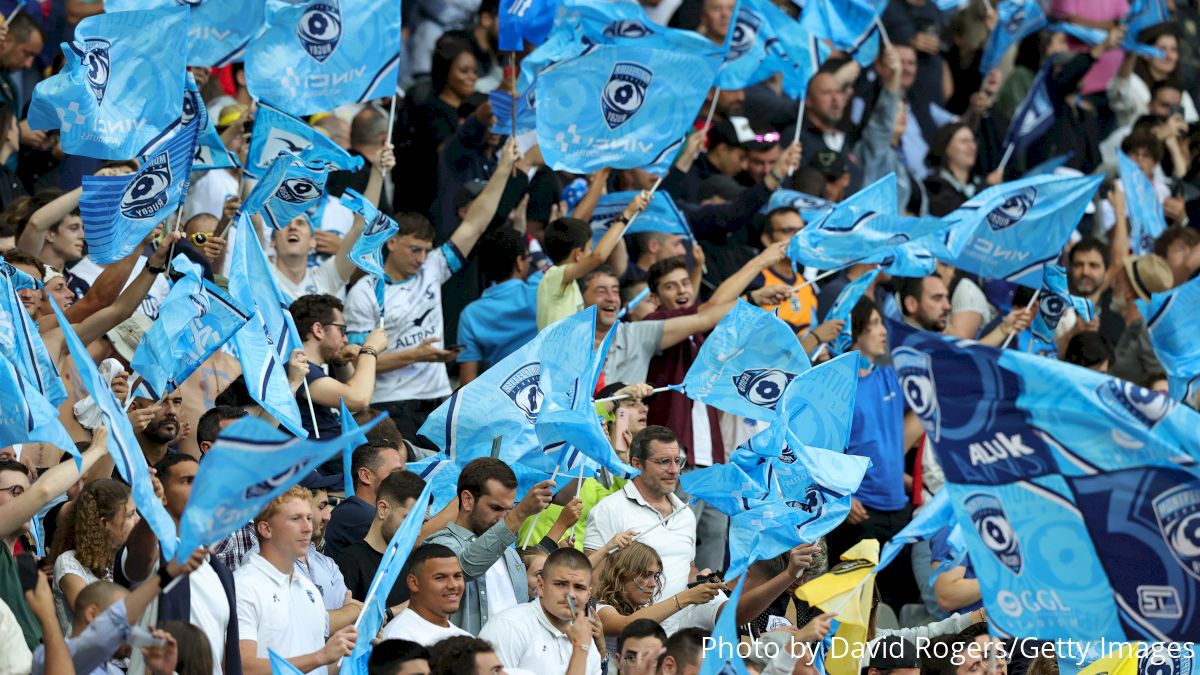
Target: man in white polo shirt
[(435, 585), (545, 635), (277, 607)]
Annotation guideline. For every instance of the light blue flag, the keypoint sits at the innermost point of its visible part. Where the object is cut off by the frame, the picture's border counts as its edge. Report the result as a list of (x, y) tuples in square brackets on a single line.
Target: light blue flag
[(914, 259), (354, 438), (280, 665), (725, 487), (27, 417), (1055, 299), (367, 252), (725, 660), (122, 441), (1142, 15), (811, 208), (1010, 231), (661, 215), (623, 107), (21, 342), (502, 111), (763, 41), (210, 151), (816, 410), (277, 132), (935, 515), (194, 321), (1094, 36), (1172, 320), (844, 305), (265, 344), (316, 55), (850, 25), (20, 280), (1035, 116), (441, 473), (251, 463), (776, 527), (288, 189), (375, 603), (1146, 221), (119, 211), (746, 363), (1050, 166), (219, 31), (524, 21), (121, 89), (1018, 18)]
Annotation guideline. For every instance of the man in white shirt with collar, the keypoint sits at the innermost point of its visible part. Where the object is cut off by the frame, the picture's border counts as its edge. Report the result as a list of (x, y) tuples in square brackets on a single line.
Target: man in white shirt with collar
[(435, 584), (277, 607), (545, 635)]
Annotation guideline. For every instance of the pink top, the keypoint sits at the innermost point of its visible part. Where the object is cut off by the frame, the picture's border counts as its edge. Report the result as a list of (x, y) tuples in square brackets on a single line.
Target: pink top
[(1095, 10)]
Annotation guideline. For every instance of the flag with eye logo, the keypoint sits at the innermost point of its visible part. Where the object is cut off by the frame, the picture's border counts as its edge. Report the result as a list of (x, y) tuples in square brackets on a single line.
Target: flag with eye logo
[(367, 252), (220, 29), (1171, 319), (276, 132), (316, 55), (1146, 221), (1055, 299), (290, 187)]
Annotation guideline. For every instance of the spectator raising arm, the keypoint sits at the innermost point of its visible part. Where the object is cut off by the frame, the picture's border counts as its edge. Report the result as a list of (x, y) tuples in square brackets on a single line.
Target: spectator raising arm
[(380, 164), (96, 325), (612, 242), (57, 480), (483, 208)]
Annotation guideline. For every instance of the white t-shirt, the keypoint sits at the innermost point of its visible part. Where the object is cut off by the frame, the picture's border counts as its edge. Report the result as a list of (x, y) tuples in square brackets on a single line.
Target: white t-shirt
[(408, 625), (412, 314), (209, 192), (323, 278), (210, 610), (279, 611), (501, 595), (524, 638), (674, 540)]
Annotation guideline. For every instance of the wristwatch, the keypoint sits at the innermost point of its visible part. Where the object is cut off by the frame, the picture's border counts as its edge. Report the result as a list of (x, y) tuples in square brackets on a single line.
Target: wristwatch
[(154, 270)]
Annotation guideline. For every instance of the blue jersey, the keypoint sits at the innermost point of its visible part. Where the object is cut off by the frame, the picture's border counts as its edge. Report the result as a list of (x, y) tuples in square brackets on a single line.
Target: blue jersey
[(878, 433)]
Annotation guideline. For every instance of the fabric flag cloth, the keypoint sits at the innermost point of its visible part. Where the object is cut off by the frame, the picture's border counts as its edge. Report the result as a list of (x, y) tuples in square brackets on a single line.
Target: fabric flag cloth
[(121, 89), (847, 590), (194, 321), (290, 187), (850, 26), (1035, 116), (354, 438), (502, 111), (623, 107), (21, 342), (1018, 18), (914, 259), (1050, 166), (219, 31), (375, 603), (275, 132), (661, 215), (762, 41), (725, 660), (1012, 230), (210, 151), (1054, 301), (1171, 318), (317, 55), (524, 21), (1146, 221), (119, 211), (367, 252), (1094, 36), (442, 473), (811, 208), (280, 665), (251, 463), (1142, 15), (844, 304), (122, 441), (938, 513), (746, 363), (265, 344), (816, 410), (26, 416)]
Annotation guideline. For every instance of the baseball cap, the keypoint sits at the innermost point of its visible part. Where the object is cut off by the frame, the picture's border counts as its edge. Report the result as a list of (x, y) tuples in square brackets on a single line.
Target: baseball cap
[(1148, 274), (316, 481)]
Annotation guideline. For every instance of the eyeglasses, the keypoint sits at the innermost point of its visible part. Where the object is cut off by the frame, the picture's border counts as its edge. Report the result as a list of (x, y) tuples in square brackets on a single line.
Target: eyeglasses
[(663, 462), (339, 326), (15, 490)]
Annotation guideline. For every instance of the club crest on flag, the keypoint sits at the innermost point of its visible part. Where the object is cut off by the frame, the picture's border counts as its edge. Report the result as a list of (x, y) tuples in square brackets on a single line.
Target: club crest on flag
[(915, 370), (787, 455), (1126, 398), (815, 498), (190, 106), (627, 28), (265, 487), (763, 386), (320, 29), (298, 191), (1052, 307), (201, 302), (1178, 514), (987, 514), (1016, 21), (1012, 210), (625, 92), (95, 57), (1161, 660), (745, 34), (522, 387), (378, 224), (147, 194)]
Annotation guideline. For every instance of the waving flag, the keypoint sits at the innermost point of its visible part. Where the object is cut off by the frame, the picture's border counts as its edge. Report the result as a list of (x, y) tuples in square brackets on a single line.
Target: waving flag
[(914, 259), (27, 417), (819, 405), (219, 31), (1035, 116), (764, 41), (850, 25), (122, 442), (725, 487), (1171, 318), (354, 438), (119, 211), (1018, 18), (288, 189), (280, 665), (661, 215), (1010, 231), (524, 21), (251, 463), (210, 151), (1094, 36), (441, 474), (1142, 15), (502, 111), (746, 363), (725, 640), (276, 132), (1146, 221), (367, 252), (194, 321), (317, 55), (21, 342), (934, 516), (122, 87), (265, 344), (811, 208), (844, 305), (623, 107), (1055, 299)]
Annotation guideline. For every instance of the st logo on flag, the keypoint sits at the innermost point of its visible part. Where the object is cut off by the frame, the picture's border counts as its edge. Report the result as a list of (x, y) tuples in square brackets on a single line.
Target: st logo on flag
[(320, 29), (625, 92)]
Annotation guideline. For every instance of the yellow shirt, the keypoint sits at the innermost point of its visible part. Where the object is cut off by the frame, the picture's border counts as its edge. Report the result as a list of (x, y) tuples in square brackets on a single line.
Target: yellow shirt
[(800, 310), (553, 301)]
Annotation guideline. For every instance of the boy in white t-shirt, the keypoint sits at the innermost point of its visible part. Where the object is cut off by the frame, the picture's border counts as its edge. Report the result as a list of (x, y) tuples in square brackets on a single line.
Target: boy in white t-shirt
[(435, 583)]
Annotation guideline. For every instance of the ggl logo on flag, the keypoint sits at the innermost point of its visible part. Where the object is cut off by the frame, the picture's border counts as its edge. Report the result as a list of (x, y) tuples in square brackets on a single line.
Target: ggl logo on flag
[(320, 29), (625, 92)]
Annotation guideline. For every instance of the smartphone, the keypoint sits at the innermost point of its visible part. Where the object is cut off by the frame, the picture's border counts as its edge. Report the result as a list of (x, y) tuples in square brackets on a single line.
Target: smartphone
[(620, 427), (139, 638), (27, 571), (571, 604), (456, 348)]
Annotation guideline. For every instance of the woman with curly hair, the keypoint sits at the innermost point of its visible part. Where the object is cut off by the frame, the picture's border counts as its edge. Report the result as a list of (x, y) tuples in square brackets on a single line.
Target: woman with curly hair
[(86, 545)]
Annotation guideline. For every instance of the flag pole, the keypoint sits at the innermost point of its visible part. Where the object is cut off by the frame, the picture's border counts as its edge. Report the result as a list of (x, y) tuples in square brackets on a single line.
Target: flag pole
[(391, 118), (579, 483), (311, 411), (1008, 153), (822, 275), (883, 35), (1031, 301), (538, 515), (512, 90), (8, 19), (132, 388), (622, 397), (712, 109)]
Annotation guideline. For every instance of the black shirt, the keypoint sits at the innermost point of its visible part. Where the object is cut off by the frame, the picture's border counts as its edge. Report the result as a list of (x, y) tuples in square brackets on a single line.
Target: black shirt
[(358, 563)]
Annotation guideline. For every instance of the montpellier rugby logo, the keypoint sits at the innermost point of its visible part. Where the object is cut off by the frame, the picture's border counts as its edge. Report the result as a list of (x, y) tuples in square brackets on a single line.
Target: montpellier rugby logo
[(298, 191), (1052, 308), (1178, 514), (522, 388), (626, 29), (987, 514), (1126, 398), (787, 455), (190, 107), (320, 29), (624, 93), (96, 59), (1013, 209), (378, 224), (915, 370), (745, 34), (147, 194), (763, 386)]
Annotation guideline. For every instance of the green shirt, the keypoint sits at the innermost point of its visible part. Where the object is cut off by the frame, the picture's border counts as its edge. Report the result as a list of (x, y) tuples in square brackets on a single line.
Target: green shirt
[(12, 595), (591, 493)]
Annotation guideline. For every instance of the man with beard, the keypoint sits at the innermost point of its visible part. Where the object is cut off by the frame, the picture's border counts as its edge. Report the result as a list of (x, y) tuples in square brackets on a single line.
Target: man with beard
[(1087, 277), (164, 429), (925, 304)]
